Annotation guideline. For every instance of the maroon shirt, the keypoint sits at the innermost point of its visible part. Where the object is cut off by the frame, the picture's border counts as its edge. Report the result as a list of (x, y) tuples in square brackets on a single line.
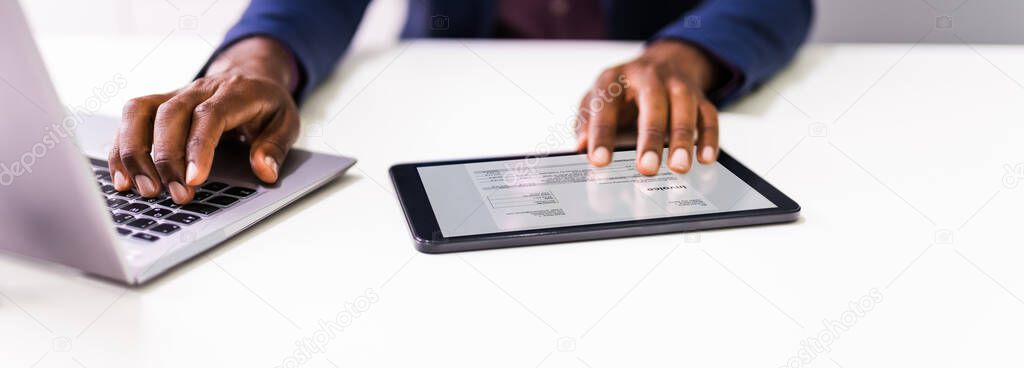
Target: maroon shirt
[(566, 19)]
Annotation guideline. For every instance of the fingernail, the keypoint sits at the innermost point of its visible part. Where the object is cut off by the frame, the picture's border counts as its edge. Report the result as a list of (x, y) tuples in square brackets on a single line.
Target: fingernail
[(272, 163), (649, 161), (145, 185), (601, 156), (119, 180), (191, 172), (680, 160), (708, 153), (178, 191)]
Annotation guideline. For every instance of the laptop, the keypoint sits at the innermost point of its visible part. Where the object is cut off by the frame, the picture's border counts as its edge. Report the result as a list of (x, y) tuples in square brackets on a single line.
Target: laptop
[(58, 205)]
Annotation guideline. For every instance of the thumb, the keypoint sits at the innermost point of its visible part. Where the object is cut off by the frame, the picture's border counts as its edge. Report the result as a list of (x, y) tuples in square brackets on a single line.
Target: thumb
[(269, 149)]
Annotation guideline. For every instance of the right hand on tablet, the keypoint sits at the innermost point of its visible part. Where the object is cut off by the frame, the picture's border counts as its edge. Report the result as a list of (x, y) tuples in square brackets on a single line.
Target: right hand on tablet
[(168, 140), (659, 94)]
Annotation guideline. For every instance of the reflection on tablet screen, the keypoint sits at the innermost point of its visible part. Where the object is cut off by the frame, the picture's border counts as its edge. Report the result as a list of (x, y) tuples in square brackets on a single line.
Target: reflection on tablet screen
[(544, 192)]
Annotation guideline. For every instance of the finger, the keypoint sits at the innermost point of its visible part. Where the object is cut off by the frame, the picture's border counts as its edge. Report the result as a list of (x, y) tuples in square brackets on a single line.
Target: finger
[(707, 143), (270, 148), (226, 109), (170, 130), (652, 120), (603, 107), (134, 143), (580, 123), (118, 173), (683, 127)]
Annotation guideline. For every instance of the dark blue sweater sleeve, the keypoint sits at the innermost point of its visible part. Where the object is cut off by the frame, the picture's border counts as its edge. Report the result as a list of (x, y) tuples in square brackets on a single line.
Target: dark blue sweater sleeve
[(753, 38), (316, 31)]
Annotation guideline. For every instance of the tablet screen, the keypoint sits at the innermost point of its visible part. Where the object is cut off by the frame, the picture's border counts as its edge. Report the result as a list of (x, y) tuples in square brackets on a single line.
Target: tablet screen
[(556, 191)]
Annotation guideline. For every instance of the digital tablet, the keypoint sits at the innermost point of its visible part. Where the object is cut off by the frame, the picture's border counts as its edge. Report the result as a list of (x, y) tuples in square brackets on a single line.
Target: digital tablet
[(474, 204)]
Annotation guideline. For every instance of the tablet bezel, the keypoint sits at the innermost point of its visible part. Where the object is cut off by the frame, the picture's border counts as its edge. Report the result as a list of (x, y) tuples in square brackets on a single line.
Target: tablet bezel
[(427, 233)]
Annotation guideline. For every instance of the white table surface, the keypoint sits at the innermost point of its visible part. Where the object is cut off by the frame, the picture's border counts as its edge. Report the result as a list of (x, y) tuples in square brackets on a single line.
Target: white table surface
[(897, 154)]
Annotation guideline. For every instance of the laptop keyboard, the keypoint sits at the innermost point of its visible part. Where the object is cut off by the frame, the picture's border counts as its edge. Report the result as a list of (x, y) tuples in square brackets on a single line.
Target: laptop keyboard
[(150, 219)]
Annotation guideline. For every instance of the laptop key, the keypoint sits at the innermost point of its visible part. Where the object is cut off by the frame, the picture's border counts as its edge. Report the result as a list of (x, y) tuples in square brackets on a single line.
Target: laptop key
[(169, 203), (154, 200), (201, 195), (223, 201), (108, 189), (135, 208), (115, 202), (240, 191), (200, 208), (214, 186), (121, 218), (165, 228), (183, 218), (158, 212), (102, 175), (129, 195), (146, 237), (123, 231), (142, 223)]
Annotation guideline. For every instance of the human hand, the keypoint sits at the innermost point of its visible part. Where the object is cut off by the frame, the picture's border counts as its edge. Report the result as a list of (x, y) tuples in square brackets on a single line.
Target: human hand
[(168, 140), (659, 94)]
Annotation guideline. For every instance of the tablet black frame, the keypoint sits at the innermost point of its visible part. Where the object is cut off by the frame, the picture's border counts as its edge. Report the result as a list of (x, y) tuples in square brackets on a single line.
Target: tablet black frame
[(428, 238)]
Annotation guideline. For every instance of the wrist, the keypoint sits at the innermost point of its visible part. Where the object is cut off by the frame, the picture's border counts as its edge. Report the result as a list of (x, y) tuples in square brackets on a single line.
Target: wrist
[(260, 57)]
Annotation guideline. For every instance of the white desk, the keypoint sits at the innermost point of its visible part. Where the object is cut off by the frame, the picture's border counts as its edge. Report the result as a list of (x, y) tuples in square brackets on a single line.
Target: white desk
[(903, 194)]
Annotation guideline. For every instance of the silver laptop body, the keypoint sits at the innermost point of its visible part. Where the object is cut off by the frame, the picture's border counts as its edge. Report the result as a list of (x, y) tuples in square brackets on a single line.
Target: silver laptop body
[(57, 205)]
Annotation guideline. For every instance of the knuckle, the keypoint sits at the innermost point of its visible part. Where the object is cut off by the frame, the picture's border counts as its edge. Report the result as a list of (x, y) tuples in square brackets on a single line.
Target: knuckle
[(679, 89), (235, 80), (132, 153), (114, 154), (601, 130), (168, 157), (169, 107), (609, 75), (649, 89), (206, 109), (137, 105), (682, 132), (200, 83), (199, 142), (651, 132)]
